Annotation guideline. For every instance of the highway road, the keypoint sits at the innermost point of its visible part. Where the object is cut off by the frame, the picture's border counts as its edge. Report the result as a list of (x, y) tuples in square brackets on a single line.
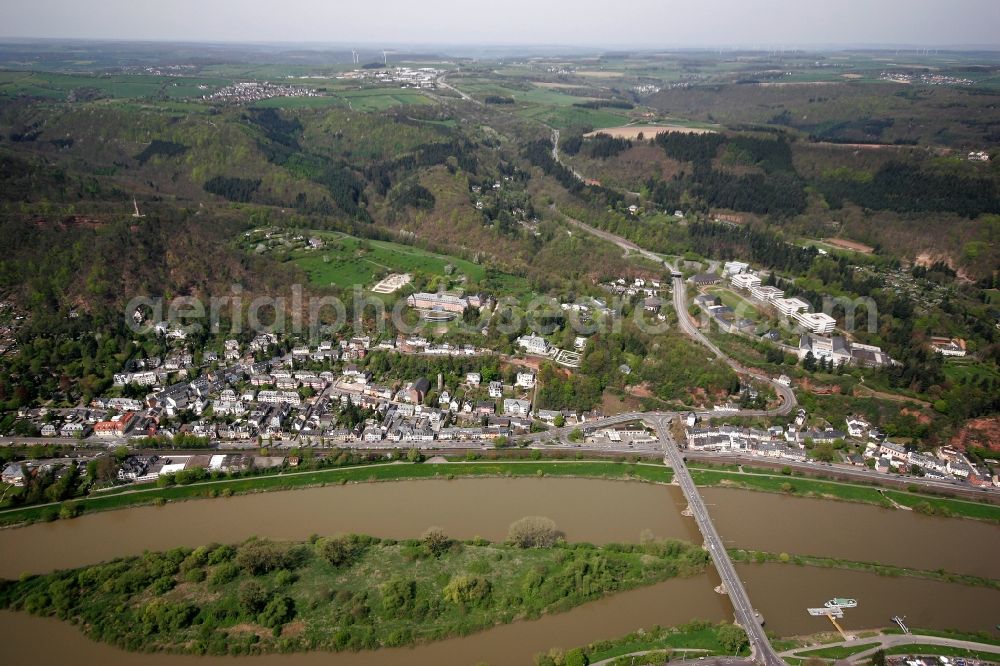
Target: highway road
[(746, 617), (444, 84)]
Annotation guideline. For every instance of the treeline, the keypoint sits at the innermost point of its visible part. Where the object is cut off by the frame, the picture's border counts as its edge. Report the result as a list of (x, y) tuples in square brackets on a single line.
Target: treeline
[(93, 272), (905, 188), (603, 146), (160, 148), (600, 146), (769, 154), (416, 196), (498, 99), (690, 147), (344, 186), (861, 130), (606, 104), (759, 246), (25, 181), (668, 364), (232, 188), (779, 194), (539, 153), (778, 191), (386, 365), (281, 146), (457, 153)]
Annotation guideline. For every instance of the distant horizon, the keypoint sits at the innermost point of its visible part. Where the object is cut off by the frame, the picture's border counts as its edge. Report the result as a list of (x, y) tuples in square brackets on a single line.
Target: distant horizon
[(769, 24), (608, 46)]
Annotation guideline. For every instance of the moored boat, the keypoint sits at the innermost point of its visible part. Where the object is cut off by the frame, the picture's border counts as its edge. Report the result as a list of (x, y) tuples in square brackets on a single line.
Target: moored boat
[(839, 602)]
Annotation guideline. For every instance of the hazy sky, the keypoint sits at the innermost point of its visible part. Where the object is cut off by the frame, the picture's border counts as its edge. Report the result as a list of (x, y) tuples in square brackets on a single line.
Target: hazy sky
[(661, 23)]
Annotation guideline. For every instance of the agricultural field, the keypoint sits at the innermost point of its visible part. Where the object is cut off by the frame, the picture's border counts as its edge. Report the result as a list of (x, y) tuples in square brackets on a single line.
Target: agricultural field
[(648, 131), (123, 86), (567, 117)]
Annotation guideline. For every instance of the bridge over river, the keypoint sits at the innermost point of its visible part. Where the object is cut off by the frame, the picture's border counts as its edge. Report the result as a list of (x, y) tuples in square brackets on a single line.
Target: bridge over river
[(746, 617)]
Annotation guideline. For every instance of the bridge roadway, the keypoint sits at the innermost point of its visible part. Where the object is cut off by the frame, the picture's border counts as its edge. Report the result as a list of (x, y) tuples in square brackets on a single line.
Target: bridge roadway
[(746, 617)]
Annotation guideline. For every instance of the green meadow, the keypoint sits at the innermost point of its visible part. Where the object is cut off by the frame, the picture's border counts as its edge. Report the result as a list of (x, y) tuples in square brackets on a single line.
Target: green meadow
[(346, 261)]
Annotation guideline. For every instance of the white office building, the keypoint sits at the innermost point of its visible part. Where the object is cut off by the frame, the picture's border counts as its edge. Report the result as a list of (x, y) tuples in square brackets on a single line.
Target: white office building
[(746, 281), (767, 294), (789, 306), (817, 322)]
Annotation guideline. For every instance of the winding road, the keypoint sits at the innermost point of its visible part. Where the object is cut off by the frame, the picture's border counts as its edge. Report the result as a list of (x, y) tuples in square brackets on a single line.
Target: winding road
[(687, 324)]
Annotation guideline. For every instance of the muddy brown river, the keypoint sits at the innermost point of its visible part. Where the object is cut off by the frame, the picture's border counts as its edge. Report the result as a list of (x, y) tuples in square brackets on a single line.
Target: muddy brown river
[(585, 510)]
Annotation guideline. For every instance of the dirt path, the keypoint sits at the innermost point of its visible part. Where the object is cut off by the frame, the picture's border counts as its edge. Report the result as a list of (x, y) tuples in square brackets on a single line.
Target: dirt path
[(864, 391)]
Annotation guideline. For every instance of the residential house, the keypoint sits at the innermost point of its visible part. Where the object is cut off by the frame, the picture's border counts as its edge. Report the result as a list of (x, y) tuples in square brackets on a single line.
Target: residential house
[(857, 427), (72, 430), (948, 346), (13, 474), (513, 407), (548, 415), (534, 344), (894, 453)]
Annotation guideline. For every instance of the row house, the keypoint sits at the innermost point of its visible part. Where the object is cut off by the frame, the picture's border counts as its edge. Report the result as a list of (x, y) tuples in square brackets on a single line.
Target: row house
[(276, 397), (235, 431), (228, 407)]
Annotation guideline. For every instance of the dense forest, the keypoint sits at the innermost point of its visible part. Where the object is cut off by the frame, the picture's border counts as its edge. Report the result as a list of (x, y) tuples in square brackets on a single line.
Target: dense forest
[(232, 188), (904, 187), (776, 189), (759, 245)]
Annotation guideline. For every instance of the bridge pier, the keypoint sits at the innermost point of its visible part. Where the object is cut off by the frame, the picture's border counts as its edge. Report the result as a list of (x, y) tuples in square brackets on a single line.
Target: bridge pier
[(687, 512)]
